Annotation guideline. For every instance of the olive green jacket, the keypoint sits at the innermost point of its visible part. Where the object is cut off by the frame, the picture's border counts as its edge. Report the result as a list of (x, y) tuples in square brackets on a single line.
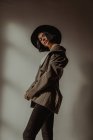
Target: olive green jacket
[(45, 89)]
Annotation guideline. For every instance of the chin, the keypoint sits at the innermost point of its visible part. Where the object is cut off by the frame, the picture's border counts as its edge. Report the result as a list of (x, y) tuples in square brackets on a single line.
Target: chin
[(45, 45)]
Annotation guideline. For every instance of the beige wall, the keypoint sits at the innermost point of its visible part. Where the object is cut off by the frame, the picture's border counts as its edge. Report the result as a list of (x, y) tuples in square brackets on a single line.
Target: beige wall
[(20, 62)]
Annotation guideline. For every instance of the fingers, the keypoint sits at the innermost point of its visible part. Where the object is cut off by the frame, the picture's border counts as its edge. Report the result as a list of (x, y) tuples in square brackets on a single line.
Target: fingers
[(26, 96)]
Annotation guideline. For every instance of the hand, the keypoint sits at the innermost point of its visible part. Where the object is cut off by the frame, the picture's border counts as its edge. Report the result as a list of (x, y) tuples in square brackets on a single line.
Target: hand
[(26, 96)]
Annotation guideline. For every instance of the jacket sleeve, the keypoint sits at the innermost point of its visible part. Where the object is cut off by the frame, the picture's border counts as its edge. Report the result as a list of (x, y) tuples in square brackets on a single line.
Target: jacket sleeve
[(54, 72)]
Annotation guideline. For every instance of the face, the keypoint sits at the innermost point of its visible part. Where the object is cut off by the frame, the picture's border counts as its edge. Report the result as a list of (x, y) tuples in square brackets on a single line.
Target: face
[(43, 39)]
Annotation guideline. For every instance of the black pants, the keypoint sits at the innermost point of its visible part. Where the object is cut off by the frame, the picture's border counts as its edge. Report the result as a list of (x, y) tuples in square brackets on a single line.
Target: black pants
[(41, 118)]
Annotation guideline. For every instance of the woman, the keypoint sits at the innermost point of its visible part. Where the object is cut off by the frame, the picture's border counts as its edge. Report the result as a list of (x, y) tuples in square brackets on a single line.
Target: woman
[(44, 92)]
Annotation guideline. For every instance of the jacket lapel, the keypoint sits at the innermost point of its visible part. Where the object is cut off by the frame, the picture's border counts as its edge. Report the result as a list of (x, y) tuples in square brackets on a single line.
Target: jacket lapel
[(44, 60)]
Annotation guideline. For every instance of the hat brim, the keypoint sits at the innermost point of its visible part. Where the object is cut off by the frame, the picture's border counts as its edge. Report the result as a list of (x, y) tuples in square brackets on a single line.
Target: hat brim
[(45, 28)]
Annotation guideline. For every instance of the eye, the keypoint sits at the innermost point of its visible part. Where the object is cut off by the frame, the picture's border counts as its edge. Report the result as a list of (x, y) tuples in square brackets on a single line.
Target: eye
[(43, 35)]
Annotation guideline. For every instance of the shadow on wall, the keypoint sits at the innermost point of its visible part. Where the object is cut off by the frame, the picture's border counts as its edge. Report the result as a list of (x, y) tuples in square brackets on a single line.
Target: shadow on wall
[(4, 124), (83, 108)]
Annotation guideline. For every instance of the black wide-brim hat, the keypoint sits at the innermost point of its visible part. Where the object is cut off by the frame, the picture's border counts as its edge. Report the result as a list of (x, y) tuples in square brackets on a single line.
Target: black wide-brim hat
[(45, 28)]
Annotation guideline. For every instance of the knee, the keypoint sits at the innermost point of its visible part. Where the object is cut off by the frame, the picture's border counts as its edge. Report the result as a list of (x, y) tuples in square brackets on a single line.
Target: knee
[(28, 135), (24, 135)]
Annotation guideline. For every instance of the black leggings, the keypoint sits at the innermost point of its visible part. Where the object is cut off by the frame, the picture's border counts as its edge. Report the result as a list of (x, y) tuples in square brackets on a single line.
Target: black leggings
[(41, 118)]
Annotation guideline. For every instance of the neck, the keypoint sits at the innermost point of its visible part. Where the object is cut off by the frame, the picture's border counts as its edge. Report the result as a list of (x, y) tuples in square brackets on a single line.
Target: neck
[(50, 45)]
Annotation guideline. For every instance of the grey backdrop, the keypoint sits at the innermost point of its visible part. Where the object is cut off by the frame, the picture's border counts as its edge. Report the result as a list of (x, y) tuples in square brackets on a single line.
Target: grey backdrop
[(20, 61)]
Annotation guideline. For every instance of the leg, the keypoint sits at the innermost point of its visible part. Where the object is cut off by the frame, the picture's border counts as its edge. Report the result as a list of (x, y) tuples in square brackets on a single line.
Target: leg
[(36, 120), (47, 128)]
